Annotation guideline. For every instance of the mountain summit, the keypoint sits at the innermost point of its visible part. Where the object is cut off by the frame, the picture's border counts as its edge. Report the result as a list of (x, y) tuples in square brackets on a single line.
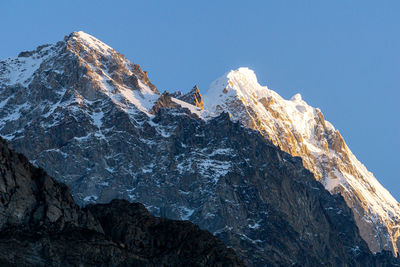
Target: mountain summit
[(301, 130), (93, 119)]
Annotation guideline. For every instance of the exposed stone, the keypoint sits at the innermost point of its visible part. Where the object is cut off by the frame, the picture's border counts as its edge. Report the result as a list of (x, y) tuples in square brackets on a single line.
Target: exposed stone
[(81, 119), (40, 225), (193, 97), (164, 101), (301, 130)]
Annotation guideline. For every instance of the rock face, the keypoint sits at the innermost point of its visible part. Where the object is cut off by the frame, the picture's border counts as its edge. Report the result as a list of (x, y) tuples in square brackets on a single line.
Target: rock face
[(92, 119), (301, 130), (164, 101), (40, 225), (193, 97)]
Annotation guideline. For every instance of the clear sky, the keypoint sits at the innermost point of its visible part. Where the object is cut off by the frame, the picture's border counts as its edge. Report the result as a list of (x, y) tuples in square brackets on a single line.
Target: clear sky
[(342, 56)]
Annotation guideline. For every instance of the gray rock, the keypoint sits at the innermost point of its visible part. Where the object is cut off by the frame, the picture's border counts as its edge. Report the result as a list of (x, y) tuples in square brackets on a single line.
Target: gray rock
[(85, 115), (40, 225)]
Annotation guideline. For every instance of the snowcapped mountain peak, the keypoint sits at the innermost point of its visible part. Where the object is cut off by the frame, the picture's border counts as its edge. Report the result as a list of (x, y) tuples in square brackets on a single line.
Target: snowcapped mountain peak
[(78, 78), (239, 93), (301, 130), (241, 82), (243, 74), (92, 117), (112, 74), (82, 69), (89, 42)]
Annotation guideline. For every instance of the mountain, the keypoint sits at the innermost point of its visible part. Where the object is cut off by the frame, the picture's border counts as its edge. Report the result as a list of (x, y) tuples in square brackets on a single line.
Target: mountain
[(40, 225), (301, 130), (93, 120)]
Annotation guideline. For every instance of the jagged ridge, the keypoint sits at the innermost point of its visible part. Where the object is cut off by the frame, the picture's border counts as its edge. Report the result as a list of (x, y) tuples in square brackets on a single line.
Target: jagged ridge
[(100, 134), (301, 130)]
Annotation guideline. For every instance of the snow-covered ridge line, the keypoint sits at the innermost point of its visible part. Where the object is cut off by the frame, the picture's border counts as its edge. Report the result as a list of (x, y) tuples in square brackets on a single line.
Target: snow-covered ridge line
[(90, 51), (301, 130), (21, 70), (88, 116), (92, 42)]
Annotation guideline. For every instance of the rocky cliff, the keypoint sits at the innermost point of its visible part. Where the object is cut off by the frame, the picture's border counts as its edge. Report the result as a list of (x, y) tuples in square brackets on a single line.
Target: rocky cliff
[(93, 119), (301, 130), (40, 225)]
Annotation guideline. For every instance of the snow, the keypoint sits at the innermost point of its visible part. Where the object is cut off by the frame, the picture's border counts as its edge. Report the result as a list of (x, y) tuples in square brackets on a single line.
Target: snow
[(201, 162), (110, 170), (186, 213), (65, 155), (20, 70), (82, 138), (92, 42), (184, 192), (97, 117), (296, 97), (4, 102), (254, 226), (148, 168), (333, 181), (242, 85), (221, 151), (239, 93), (54, 106), (14, 114), (91, 198), (128, 99), (193, 109), (245, 237), (8, 137)]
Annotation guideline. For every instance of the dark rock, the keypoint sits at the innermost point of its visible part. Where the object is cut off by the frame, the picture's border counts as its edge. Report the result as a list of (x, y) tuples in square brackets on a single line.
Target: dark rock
[(40, 225), (193, 97), (26, 53), (164, 101), (225, 178)]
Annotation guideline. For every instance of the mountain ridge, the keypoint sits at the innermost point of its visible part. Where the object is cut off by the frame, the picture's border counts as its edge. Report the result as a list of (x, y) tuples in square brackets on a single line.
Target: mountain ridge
[(301, 130), (88, 118)]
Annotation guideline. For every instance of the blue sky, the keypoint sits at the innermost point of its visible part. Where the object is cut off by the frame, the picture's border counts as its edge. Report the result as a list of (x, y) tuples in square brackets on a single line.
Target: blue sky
[(342, 56)]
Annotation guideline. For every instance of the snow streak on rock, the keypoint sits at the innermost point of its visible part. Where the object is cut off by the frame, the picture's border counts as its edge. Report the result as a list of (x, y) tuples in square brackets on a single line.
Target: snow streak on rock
[(301, 130), (93, 119)]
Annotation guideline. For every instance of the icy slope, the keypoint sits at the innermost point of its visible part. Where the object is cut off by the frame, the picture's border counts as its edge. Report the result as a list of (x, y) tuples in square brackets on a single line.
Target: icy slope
[(301, 130)]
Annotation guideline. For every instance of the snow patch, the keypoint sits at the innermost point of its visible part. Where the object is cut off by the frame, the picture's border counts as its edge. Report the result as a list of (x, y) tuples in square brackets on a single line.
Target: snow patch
[(92, 198), (96, 118), (186, 213), (193, 109)]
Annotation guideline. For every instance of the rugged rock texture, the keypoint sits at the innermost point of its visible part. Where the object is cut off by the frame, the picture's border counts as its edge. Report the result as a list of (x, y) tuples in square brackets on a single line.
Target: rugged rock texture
[(193, 97), (165, 242), (164, 101), (108, 137), (301, 130), (40, 225)]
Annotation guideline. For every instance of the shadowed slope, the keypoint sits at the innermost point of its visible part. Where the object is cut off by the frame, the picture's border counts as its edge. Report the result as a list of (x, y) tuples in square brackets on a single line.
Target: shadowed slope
[(40, 225)]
